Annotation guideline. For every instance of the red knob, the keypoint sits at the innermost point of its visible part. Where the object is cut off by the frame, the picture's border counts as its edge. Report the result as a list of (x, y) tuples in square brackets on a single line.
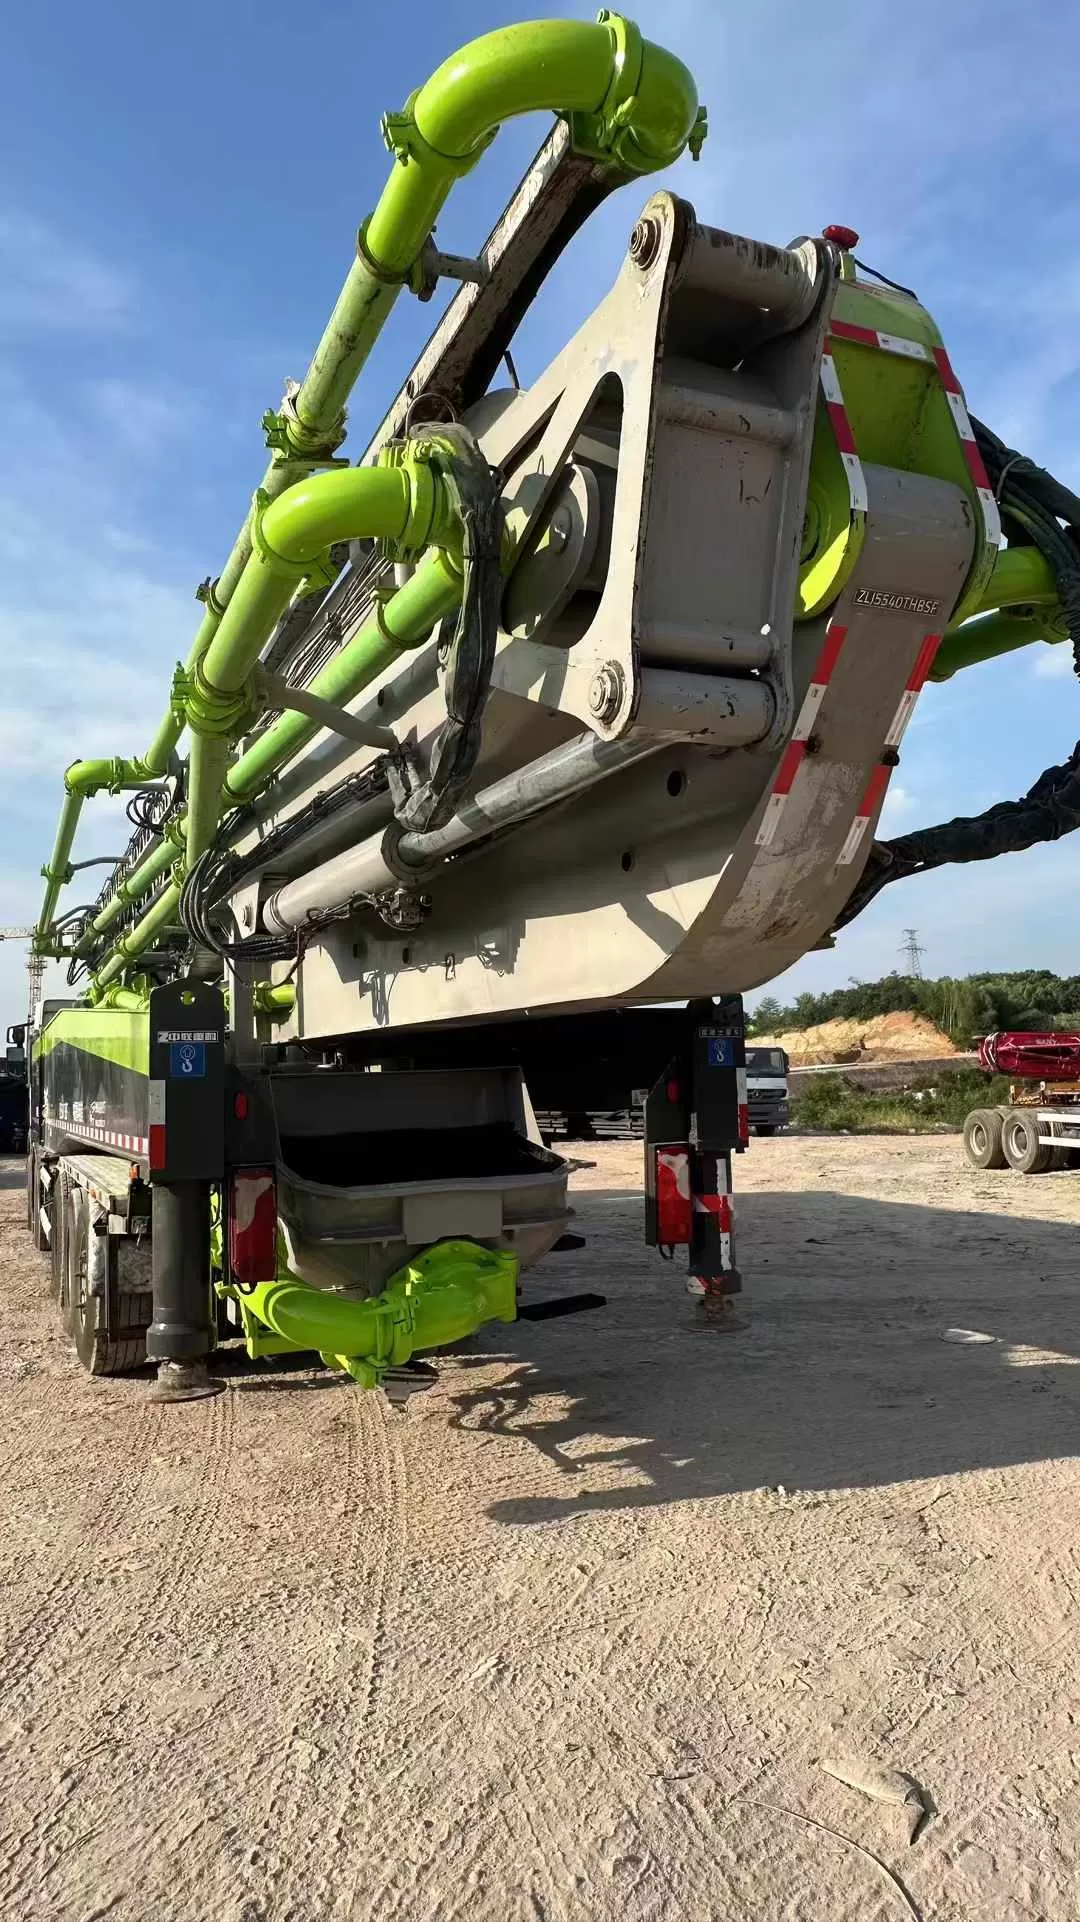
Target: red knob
[(845, 237)]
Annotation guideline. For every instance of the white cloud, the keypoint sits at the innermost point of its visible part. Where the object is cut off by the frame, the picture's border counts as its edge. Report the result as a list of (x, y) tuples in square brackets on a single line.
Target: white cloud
[(49, 280), (1053, 663), (899, 805), (143, 419)]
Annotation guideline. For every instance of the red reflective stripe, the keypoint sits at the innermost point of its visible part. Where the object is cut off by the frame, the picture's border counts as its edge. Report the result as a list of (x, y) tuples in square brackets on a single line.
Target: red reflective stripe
[(789, 766), (875, 788), (673, 1204), (157, 1144), (253, 1225), (944, 367), (845, 439), (835, 636), (975, 464), (924, 662), (847, 330), (744, 1125)]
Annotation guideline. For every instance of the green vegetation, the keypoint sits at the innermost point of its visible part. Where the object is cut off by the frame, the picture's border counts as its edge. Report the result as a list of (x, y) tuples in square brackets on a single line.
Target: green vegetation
[(962, 1008), (830, 1103)]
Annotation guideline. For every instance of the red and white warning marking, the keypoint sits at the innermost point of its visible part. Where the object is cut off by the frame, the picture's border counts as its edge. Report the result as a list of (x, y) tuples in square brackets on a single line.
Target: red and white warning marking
[(955, 395), (845, 439), (92, 1131), (795, 752), (868, 807), (916, 681)]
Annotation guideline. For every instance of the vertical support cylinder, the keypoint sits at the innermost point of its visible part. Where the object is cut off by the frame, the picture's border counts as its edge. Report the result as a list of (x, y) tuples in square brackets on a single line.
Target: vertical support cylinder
[(179, 1337)]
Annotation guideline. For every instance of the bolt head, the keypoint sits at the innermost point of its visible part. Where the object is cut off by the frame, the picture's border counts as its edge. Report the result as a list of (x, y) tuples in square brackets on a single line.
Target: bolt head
[(605, 693), (645, 241)]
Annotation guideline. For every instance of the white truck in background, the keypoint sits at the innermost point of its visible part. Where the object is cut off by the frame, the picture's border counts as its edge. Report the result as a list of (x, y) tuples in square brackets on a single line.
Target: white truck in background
[(767, 1090)]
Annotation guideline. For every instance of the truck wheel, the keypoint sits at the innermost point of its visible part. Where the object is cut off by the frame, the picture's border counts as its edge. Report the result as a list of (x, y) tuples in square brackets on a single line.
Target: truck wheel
[(86, 1311), (982, 1138), (1023, 1149), (764, 1128)]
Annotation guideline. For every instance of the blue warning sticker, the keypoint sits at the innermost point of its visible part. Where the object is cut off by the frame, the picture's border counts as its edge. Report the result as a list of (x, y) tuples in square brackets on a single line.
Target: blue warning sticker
[(187, 1059), (721, 1054)]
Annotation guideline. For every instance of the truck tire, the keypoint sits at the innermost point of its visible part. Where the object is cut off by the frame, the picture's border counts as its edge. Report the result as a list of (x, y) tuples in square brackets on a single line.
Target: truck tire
[(982, 1138), (86, 1312), (764, 1128), (1023, 1150)]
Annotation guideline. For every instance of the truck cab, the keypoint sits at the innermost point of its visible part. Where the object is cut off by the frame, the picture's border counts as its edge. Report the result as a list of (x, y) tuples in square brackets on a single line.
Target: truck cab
[(767, 1089)]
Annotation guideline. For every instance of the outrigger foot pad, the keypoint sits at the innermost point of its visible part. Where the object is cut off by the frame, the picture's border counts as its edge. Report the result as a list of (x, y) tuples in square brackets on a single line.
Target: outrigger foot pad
[(184, 1381)]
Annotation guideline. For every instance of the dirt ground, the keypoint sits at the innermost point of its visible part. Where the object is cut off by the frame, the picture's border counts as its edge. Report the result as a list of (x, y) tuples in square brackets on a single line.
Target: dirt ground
[(570, 1638)]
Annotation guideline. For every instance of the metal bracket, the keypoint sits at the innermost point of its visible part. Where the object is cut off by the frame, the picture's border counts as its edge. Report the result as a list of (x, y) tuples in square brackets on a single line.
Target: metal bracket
[(274, 692), (431, 266)]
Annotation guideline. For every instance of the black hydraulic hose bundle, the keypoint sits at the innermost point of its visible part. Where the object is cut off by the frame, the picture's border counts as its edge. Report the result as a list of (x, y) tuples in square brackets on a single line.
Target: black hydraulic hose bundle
[(471, 654), (1033, 507)]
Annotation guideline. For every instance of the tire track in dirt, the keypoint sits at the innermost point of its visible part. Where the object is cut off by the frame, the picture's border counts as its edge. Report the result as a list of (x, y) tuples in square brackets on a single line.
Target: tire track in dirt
[(26, 1640), (181, 1563)]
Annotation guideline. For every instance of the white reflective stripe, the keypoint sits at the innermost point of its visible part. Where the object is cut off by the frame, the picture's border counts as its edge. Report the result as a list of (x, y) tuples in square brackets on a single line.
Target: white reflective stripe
[(860, 499), (808, 712), (740, 1084), (770, 820), (902, 716), (897, 344), (991, 517), (156, 1110), (854, 840), (830, 385), (960, 414)]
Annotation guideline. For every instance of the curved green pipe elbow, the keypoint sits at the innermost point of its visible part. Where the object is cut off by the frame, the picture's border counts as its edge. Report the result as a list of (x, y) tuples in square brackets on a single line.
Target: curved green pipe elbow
[(443, 1295), (350, 502), (628, 100)]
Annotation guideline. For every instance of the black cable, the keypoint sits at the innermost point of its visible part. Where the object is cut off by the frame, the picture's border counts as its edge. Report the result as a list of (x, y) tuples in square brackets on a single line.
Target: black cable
[(474, 487)]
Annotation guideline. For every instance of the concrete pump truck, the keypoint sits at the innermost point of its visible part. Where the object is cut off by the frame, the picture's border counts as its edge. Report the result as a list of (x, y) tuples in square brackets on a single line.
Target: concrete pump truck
[(554, 701)]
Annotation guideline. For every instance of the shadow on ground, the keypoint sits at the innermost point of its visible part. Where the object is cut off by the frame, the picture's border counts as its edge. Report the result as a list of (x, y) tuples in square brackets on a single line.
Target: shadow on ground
[(833, 1373)]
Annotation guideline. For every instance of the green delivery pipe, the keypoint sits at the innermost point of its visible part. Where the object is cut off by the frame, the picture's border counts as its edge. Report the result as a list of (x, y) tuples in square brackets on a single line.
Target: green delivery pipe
[(988, 636), (400, 624), (445, 1294), (138, 883), (642, 106), (155, 921), (408, 502), (631, 103), (82, 780)]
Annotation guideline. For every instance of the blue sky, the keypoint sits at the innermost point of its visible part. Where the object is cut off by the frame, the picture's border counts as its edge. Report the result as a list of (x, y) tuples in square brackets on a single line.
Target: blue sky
[(182, 188)]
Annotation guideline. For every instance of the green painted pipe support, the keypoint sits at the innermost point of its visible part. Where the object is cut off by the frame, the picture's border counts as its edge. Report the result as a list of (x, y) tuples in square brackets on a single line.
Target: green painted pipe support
[(445, 1294)]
